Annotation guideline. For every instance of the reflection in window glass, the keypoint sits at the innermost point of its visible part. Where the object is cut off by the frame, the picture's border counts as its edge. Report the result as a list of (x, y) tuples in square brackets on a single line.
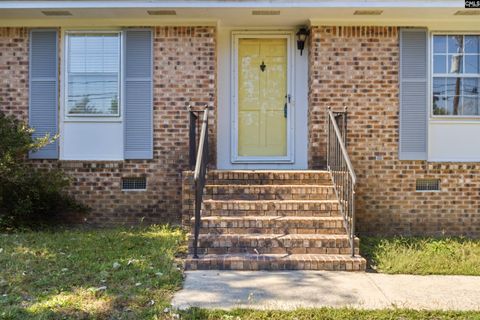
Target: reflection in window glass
[(93, 74), (440, 44), (440, 63), (456, 75)]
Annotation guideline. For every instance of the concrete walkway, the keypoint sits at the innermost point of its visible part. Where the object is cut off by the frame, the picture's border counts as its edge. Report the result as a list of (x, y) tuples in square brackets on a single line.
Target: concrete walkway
[(292, 289)]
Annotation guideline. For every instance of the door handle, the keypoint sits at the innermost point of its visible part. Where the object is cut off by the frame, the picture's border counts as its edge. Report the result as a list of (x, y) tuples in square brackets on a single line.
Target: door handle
[(288, 99)]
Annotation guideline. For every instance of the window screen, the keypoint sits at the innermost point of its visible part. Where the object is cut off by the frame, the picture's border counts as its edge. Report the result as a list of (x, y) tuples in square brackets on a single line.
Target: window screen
[(93, 74)]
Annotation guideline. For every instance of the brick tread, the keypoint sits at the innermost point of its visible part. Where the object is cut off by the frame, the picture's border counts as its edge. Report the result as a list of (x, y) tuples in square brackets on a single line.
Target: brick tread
[(263, 236), (269, 218), (276, 262)]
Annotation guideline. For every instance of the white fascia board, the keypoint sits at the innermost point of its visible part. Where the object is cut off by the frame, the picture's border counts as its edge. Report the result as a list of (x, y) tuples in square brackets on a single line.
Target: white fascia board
[(228, 4)]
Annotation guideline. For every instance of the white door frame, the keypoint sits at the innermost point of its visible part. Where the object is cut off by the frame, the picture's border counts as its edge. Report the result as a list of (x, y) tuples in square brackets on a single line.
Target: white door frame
[(236, 36)]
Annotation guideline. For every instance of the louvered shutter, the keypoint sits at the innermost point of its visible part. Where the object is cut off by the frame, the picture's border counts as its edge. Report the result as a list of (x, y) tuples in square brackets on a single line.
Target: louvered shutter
[(138, 94), (413, 94), (43, 89)]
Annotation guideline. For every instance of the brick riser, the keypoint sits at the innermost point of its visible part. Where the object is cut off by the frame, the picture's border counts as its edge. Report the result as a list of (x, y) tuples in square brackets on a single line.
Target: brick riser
[(277, 262), (242, 177), (272, 225), (269, 192), (272, 220), (278, 244), (298, 208)]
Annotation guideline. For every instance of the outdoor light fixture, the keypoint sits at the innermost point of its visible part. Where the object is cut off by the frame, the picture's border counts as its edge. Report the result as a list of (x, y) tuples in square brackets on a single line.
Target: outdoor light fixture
[(302, 36)]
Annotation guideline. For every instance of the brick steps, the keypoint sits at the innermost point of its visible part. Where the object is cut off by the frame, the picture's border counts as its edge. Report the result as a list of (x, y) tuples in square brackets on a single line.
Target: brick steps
[(277, 262), (265, 177), (326, 208), (273, 243), (272, 220), (271, 224), (269, 192)]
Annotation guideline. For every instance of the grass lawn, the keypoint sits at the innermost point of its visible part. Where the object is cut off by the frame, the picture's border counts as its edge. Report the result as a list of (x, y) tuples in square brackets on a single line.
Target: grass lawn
[(78, 274), (453, 256), (133, 273), (327, 314)]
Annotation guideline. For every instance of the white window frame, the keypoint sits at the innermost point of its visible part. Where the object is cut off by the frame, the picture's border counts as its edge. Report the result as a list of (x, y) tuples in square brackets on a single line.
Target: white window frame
[(92, 117), (449, 118)]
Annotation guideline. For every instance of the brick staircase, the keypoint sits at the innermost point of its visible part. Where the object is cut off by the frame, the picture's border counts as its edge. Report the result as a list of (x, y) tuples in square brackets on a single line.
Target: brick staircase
[(272, 220)]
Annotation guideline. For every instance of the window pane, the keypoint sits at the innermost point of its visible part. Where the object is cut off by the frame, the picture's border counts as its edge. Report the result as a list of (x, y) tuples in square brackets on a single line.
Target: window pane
[(470, 86), (439, 86), (454, 105), (472, 44), (440, 44), (471, 64), (439, 64), (470, 106), (455, 44), (93, 94), (93, 74), (454, 86), (455, 64), (439, 105)]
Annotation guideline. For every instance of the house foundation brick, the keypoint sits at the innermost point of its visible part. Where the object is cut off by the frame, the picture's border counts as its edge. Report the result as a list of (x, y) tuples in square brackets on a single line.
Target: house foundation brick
[(358, 67)]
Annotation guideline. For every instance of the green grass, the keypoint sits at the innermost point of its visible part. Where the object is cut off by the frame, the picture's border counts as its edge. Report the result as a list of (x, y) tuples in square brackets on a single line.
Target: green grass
[(327, 314), (97, 274), (133, 273), (452, 256)]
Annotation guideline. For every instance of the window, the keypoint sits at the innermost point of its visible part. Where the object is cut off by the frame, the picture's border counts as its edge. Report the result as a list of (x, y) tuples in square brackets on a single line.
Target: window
[(456, 75), (93, 74)]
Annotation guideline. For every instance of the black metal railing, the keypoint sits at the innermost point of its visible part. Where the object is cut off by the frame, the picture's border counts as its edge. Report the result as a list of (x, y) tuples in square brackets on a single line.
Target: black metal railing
[(341, 170), (198, 163)]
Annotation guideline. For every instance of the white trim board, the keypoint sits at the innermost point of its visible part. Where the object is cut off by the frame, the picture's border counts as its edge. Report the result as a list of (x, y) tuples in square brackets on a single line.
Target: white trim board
[(299, 83)]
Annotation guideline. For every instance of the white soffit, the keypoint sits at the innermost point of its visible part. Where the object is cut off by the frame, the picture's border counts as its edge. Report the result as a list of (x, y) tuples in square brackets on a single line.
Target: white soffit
[(437, 17), (28, 4)]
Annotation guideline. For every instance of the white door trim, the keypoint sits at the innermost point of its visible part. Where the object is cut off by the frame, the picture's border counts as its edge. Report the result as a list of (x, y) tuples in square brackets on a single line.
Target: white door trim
[(236, 36)]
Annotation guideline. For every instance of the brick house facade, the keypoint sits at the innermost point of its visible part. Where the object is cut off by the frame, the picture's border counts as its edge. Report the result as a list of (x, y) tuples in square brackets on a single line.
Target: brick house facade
[(184, 73), (359, 68), (353, 66)]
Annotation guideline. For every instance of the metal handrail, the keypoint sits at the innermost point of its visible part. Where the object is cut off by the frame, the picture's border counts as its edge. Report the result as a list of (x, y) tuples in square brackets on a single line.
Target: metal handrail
[(201, 145), (341, 171), (200, 165)]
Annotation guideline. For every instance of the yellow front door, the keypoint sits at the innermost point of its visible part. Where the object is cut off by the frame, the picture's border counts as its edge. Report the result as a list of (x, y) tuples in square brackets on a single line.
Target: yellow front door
[(262, 92)]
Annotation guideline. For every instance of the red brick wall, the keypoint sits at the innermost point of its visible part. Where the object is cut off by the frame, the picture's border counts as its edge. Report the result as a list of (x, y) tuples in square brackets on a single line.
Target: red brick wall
[(14, 71), (358, 67), (185, 68)]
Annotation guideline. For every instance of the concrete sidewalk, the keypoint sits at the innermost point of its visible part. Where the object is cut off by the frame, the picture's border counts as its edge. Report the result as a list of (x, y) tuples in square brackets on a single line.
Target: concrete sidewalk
[(292, 289)]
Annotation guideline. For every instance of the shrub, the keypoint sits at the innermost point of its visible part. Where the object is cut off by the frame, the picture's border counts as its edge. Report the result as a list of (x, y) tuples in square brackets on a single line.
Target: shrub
[(29, 196)]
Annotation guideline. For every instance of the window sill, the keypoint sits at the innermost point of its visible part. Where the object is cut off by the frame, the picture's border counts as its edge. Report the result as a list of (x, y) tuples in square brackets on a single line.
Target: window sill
[(92, 119), (471, 120)]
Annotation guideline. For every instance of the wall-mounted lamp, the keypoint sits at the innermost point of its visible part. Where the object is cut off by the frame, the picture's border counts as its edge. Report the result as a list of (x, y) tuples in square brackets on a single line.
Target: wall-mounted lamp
[(302, 36)]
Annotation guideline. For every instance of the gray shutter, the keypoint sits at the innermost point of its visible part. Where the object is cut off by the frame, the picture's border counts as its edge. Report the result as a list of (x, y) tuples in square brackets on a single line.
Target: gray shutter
[(413, 94), (138, 94), (43, 94)]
